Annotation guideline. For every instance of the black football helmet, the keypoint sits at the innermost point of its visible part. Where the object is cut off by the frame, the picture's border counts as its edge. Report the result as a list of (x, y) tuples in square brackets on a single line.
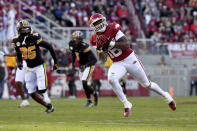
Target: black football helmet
[(23, 28), (77, 36)]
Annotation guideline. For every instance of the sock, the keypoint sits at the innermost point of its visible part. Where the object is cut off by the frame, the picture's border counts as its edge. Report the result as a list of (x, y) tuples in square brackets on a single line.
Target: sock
[(46, 97), (154, 87), (88, 90)]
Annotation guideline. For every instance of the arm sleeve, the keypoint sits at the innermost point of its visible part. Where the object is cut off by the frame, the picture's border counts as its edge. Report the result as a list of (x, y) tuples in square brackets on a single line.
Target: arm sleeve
[(18, 55), (50, 48), (73, 52), (73, 58)]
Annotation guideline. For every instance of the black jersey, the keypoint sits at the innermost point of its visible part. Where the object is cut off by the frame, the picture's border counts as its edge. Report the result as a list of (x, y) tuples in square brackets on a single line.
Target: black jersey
[(86, 56), (28, 47)]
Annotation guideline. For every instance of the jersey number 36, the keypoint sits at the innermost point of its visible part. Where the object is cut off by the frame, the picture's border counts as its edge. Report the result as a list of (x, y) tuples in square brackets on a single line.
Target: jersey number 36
[(28, 53)]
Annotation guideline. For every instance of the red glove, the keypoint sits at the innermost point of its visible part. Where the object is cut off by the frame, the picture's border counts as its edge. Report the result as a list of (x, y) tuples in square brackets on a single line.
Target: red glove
[(102, 42)]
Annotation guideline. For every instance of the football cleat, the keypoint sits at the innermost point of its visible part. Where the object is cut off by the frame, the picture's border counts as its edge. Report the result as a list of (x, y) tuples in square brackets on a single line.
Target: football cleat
[(170, 101), (49, 109), (89, 104), (127, 108), (24, 103), (172, 105)]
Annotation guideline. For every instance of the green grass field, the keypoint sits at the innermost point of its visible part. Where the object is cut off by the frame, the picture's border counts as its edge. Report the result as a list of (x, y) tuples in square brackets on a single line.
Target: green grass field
[(148, 114)]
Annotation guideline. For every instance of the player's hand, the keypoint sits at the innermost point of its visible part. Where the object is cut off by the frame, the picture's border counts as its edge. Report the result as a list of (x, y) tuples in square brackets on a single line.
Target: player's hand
[(20, 65), (102, 43), (55, 66), (82, 68)]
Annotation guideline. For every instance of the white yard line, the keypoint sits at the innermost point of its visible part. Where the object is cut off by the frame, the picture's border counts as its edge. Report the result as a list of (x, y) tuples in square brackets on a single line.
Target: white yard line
[(3, 126), (3, 122), (133, 124)]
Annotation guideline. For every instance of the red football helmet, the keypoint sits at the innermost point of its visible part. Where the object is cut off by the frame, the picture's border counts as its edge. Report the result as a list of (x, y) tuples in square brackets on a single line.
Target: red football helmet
[(101, 26)]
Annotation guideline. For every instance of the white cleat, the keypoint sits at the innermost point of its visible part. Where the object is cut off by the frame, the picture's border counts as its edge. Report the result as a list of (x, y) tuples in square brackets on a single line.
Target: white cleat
[(170, 101), (24, 103), (127, 108)]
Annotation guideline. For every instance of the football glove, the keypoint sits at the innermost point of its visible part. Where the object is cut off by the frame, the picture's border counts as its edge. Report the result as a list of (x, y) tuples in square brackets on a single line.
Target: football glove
[(55, 66), (82, 68), (103, 43)]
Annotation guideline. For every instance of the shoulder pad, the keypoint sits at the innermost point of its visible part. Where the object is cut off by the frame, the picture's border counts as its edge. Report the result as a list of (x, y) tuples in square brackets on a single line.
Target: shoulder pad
[(14, 40), (93, 39), (86, 47), (38, 37), (13, 45), (115, 26), (15, 37), (35, 34)]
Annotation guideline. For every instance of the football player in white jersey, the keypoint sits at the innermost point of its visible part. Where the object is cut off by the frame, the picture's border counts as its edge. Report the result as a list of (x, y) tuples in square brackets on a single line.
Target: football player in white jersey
[(109, 39)]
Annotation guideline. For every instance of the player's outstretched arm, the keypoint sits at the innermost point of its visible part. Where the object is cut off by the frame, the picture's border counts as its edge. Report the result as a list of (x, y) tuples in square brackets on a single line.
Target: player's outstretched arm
[(19, 58), (50, 48)]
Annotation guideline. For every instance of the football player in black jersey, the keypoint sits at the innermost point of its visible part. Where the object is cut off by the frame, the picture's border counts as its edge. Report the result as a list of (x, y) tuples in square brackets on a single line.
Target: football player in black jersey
[(87, 60), (27, 44)]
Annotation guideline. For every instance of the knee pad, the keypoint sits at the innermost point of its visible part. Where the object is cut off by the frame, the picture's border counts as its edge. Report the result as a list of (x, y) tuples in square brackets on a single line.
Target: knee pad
[(42, 91)]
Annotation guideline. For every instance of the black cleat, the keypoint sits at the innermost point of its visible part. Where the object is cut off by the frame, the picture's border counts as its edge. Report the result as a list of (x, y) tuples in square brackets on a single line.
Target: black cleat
[(89, 104), (49, 109)]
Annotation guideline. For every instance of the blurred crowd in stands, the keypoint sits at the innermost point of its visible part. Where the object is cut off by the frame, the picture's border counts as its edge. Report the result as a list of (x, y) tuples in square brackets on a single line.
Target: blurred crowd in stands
[(70, 13), (169, 20)]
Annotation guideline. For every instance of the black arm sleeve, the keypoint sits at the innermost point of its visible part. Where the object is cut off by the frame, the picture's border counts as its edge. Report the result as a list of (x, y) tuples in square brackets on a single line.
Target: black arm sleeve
[(73, 58), (50, 48), (18, 55), (92, 59)]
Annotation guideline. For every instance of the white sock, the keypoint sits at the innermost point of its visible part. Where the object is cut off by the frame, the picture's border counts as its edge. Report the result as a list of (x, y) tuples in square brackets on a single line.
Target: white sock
[(119, 92), (154, 87), (46, 97)]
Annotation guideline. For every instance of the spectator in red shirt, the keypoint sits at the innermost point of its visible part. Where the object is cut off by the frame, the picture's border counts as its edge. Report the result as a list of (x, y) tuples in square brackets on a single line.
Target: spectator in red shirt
[(194, 27), (152, 28)]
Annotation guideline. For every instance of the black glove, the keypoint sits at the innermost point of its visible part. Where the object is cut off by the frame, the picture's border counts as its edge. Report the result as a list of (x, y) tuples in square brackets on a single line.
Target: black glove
[(82, 68), (55, 66), (20, 65)]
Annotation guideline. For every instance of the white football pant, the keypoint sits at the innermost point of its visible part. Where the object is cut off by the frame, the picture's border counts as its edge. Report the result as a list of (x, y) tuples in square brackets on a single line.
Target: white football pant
[(36, 77), (132, 65)]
